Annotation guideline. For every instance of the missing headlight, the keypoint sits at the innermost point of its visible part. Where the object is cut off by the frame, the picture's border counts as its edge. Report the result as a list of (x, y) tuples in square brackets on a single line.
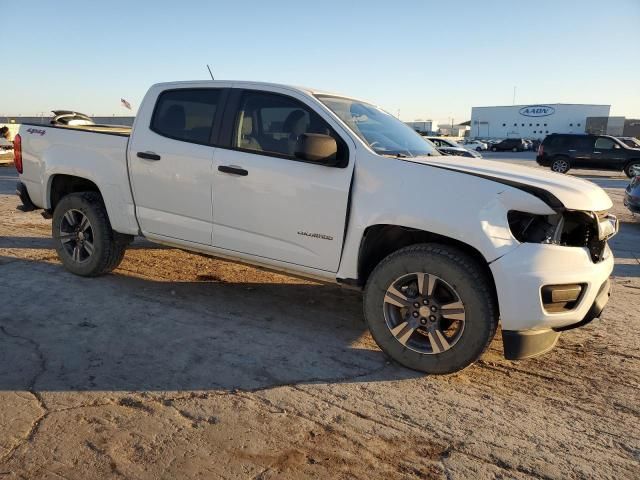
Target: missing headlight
[(532, 228), (571, 229)]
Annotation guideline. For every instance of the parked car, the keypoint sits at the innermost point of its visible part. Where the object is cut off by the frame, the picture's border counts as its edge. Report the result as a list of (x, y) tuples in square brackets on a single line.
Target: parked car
[(632, 192), (334, 189), (512, 144), (528, 144), (631, 142), (476, 145), (5, 144), (449, 147), (563, 152)]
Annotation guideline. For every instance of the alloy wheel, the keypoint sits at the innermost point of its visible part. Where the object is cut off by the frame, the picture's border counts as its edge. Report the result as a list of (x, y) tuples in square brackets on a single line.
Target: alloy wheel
[(424, 313), (560, 166), (76, 236)]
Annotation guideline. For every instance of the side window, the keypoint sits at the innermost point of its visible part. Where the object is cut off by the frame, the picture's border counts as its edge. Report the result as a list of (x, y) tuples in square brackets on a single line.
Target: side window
[(604, 144), (272, 124), (186, 114), (583, 144)]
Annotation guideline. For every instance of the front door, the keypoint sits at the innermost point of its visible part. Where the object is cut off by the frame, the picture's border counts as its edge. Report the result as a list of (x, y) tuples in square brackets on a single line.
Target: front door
[(171, 162), (266, 202), (607, 154)]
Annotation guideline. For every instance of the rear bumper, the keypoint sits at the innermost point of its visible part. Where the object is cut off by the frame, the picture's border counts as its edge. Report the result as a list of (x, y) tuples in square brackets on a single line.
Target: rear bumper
[(542, 161), (519, 345), (23, 194)]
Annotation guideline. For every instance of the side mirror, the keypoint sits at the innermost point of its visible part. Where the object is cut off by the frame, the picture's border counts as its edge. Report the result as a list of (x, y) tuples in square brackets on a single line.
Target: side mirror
[(616, 146), (315, 147)]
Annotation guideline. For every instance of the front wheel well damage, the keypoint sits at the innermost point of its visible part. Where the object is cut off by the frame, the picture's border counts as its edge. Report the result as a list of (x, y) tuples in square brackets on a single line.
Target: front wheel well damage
[(380, 241)]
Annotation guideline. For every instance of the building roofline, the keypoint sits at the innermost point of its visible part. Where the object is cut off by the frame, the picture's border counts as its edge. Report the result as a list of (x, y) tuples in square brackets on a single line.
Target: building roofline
[(547, 104)]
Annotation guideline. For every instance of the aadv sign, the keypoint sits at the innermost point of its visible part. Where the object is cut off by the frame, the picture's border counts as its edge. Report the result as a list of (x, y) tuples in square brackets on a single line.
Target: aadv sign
[(537, 111)]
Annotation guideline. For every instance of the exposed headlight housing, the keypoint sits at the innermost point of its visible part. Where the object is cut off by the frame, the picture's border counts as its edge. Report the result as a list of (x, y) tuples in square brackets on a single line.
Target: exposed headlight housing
[(607, 225), (570, 228)]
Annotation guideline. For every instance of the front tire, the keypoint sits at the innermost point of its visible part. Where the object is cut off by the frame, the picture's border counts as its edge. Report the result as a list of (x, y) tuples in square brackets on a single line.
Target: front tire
[(629, 169), (84, 240), (430, 308)]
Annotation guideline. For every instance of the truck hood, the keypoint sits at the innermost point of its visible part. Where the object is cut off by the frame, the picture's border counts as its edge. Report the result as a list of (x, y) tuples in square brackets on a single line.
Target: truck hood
[(560, 191)]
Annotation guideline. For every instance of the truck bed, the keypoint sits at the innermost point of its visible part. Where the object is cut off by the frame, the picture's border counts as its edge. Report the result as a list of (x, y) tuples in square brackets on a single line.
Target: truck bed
[(121, 130), (97, 153)]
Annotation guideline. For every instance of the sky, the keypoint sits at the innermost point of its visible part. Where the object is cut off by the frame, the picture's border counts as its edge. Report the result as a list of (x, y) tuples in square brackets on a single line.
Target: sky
[(419, 59)]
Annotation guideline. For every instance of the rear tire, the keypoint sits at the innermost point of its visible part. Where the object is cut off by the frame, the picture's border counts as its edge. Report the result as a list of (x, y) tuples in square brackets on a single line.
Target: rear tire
[(430, 308), (628, 170), (84, 240), (560, 165)]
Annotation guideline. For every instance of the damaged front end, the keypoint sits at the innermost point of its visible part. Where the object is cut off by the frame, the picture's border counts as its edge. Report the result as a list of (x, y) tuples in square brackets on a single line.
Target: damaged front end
[(570, 228)]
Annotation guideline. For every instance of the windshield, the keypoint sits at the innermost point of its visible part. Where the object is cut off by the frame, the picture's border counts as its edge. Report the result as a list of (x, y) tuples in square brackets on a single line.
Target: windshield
[(631, 142), (384, 133)]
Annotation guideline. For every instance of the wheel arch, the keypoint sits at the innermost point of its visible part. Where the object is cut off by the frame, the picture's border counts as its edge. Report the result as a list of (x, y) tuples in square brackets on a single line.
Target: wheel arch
[(381, 240), (630, 162), (60, 185)]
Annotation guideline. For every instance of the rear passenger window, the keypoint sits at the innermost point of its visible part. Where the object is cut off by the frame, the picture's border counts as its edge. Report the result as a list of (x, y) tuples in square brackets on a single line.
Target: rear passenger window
[(583, 143), (186, 114), (272, 124)]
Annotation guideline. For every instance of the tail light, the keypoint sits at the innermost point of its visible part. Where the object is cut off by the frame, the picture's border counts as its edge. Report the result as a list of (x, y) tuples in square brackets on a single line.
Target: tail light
[(540, 150), (17, 153)]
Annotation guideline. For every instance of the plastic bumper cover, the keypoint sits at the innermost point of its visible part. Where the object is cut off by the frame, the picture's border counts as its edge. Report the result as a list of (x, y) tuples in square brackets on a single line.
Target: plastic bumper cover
[(27, 204), (521, 274), (519, 345)]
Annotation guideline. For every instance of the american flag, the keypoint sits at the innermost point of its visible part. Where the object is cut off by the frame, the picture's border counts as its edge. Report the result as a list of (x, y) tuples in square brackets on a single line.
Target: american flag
[(125, 104)]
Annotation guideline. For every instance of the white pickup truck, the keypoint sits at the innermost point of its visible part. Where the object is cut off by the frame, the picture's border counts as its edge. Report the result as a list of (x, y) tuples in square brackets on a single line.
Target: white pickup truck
[(335, 189)]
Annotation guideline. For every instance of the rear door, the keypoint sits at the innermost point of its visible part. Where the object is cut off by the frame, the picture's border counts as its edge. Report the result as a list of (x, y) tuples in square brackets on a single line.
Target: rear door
[(268, 204), (171, 163), (580, 150)]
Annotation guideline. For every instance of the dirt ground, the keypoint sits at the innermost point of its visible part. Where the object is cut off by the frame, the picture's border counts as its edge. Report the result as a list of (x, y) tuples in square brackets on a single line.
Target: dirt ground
[(181, 366)]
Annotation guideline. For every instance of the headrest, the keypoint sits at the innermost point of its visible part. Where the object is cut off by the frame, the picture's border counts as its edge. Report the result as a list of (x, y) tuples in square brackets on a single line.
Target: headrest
[(247, 126)]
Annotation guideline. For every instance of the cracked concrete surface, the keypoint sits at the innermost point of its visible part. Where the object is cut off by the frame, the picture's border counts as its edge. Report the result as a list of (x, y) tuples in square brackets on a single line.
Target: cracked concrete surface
[(181, 366)]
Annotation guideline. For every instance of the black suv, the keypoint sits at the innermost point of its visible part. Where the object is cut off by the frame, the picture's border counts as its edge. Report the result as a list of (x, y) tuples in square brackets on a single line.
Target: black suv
[(513, 144), (562, 152)]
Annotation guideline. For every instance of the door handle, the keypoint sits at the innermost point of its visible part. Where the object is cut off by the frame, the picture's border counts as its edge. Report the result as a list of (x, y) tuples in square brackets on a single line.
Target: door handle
[(597, 153), (233, 170), (148, 156)]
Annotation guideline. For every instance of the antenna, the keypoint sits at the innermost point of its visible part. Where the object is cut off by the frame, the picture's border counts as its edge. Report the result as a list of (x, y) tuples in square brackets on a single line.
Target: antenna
[(209, 68)]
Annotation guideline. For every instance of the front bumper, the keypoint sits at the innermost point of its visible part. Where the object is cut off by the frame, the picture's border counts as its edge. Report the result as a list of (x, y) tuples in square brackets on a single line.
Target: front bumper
[(523, 344), (520, 275), (528, 328)]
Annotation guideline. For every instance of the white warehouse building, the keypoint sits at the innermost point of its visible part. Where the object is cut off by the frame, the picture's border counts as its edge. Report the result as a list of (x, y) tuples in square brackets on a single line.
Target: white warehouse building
[(532, 121)]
